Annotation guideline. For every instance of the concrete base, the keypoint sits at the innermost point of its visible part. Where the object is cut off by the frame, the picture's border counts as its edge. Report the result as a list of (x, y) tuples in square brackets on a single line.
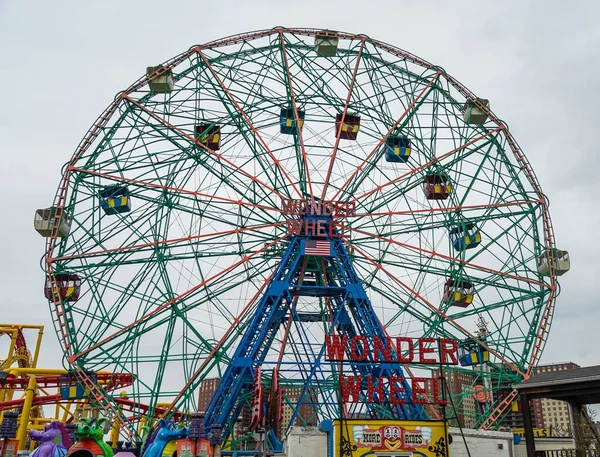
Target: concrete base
[(490, 444)]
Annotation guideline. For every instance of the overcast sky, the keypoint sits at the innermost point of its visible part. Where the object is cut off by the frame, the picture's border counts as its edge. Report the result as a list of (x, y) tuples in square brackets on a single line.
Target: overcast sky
[(538, 63)]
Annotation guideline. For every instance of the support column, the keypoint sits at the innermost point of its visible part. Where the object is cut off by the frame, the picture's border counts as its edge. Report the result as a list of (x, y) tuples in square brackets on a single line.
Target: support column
[(29, 395), (528, 426), (578, 432)]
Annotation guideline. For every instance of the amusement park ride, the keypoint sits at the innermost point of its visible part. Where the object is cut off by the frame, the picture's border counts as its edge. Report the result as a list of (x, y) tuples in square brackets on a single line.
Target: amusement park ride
[(254, 197)]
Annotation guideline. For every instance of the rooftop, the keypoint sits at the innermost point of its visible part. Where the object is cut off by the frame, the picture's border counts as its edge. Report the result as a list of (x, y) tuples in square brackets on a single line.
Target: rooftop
[(579, 385)]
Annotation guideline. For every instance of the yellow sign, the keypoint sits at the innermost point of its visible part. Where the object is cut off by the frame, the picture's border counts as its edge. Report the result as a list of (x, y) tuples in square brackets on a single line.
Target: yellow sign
[(389, 438), (537, 432)]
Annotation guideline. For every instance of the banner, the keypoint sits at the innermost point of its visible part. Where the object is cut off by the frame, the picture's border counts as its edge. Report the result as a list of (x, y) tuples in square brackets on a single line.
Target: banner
[(388, 438)]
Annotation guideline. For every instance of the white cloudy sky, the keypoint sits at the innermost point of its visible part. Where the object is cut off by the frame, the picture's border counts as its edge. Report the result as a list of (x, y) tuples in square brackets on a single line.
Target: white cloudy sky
[(62, 62)]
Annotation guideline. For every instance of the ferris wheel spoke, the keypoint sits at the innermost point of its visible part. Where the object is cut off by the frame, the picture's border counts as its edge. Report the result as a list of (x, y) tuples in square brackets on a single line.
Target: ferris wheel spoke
[(344, 112), (407, 112), (433, 308), (135, 333), (233, 167), (254, 130), (160, 309), (172, 243), (456, 260), (292, 98), (229, 336)]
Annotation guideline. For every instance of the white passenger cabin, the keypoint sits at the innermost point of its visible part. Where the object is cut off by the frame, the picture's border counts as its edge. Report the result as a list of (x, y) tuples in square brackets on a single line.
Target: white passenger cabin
[(44, 219), (562, 263)]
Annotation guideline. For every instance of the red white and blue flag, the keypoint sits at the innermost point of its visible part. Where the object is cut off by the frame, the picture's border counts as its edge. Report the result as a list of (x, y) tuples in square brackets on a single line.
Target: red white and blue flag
[(317, 247)]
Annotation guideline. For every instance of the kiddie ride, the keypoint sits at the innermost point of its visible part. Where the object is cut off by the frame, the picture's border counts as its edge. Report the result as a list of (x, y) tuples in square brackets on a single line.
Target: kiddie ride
[(86, 439)]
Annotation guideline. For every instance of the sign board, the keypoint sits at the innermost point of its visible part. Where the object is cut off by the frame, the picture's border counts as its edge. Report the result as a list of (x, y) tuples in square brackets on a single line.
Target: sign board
[(537, 432), (388, 438)]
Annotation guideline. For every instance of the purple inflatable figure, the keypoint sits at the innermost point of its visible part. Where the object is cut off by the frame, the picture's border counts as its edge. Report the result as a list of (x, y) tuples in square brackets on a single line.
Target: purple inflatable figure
[(55, 440)]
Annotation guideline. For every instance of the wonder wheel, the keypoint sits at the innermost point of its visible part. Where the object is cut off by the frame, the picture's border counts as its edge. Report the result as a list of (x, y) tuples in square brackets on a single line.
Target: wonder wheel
[(245, 199)]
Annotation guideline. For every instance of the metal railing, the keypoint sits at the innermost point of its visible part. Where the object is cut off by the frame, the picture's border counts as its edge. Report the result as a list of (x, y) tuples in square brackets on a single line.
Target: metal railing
[(568, 453)]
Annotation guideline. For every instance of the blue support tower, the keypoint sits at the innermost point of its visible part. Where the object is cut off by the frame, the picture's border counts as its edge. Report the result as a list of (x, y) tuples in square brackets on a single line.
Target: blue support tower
[(350, 314)]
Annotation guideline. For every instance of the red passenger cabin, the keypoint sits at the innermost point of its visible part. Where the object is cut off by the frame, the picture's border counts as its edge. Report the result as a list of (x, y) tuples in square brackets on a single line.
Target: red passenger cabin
[(350, 126), (69, 286), (437, 187), (458, 292), (209, 135)]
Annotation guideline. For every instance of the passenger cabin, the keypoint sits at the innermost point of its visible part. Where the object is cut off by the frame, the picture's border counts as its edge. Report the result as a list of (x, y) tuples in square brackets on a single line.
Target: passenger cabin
[(458, 292), (160, 79), (287, 121), (562, 262), (473, 112), (437, 187), (326, 43), (115, 200), (348, 130), (73, 388), (465, 236), (45, 218), (397, 149), (69, 286), (209, 135), (470, 353)]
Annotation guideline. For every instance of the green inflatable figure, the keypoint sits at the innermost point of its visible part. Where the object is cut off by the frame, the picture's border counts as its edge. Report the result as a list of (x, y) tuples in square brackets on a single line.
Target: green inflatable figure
[(90, 436)]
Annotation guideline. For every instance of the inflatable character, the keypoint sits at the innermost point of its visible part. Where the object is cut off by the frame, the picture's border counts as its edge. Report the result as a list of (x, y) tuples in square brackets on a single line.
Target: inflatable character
[(90, 435), (162, 441), (54, 440)]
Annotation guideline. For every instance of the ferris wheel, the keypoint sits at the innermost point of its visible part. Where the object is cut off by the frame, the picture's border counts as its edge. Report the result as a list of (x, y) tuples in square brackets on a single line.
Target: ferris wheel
[(252, 195)]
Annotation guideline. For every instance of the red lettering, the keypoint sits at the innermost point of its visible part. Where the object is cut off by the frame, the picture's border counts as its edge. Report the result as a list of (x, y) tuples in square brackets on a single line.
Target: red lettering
[(385, 350), (356, 356), (399, 351), (321, 228), (294, 227), (437, 390), (310, 225), (335, 347), (303, 207), (315, 209), (350, 386), (332, 230), (375, 389), (449, 351), (351, 208), (423, 350), (417, 389), (396, 387), (287, 206)]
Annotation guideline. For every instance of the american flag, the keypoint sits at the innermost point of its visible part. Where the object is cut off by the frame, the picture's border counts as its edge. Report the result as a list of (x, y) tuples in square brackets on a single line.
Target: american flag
[(317, 247)]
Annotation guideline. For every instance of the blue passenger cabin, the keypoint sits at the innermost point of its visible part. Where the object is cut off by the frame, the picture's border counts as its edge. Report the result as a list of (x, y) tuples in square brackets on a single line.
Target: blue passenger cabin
[(115, 200), (209, 135), (287, 121), (465, 236), (73, 388), (458, 292), (470, 353), (397, 149), (348, 129), (437, 187)]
